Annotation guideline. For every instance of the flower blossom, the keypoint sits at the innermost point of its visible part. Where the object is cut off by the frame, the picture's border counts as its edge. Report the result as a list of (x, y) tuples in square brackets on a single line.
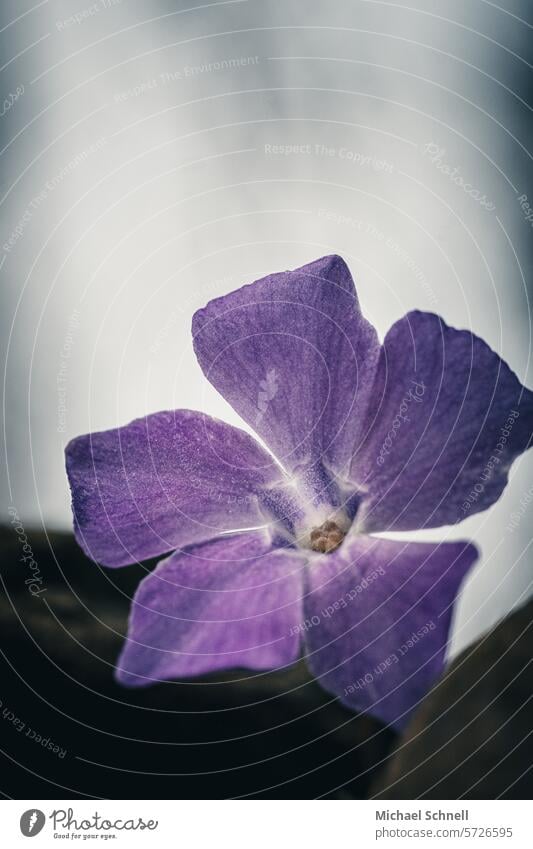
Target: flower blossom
[(274, 554)]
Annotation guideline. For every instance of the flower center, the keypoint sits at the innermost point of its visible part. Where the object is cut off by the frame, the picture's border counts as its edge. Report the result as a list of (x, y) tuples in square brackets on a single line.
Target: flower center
[(327, 537)]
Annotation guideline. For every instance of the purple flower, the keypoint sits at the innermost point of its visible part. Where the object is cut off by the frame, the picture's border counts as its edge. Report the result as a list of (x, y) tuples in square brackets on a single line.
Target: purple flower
[(275, 557)]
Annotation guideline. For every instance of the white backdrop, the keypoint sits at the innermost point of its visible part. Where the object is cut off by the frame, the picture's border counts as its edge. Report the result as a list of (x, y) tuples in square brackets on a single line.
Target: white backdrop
[(156, 156)]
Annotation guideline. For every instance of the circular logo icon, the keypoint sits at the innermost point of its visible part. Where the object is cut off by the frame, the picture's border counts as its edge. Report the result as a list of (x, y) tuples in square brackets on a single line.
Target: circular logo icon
[(32, 822)]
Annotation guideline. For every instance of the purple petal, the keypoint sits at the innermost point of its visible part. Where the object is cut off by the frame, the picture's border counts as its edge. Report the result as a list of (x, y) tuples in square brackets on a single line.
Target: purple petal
[(377, 616), (231, 602), (295, 358), (163, 482), (446, 420)]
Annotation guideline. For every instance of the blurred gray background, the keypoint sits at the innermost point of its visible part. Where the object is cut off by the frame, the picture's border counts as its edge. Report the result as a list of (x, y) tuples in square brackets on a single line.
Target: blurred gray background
[(157, 155)]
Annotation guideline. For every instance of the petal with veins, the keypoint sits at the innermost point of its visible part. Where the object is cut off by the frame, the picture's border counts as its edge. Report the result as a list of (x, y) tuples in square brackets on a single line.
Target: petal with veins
[(232, 602), (295, 358), (384, 610), (164, 482), (447, 418)]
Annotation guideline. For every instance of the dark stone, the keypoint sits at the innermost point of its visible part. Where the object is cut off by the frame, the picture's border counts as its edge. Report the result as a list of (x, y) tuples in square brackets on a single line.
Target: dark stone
[(276, 735), (269, 735), (472, 737)]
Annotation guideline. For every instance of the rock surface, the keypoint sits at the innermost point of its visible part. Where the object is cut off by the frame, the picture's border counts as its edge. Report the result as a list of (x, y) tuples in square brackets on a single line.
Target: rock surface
[(276, 735), (67, 730), (473, 736)]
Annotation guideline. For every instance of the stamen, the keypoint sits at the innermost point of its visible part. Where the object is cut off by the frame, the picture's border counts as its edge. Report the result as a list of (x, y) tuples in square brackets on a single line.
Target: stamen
[(327, 537)]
